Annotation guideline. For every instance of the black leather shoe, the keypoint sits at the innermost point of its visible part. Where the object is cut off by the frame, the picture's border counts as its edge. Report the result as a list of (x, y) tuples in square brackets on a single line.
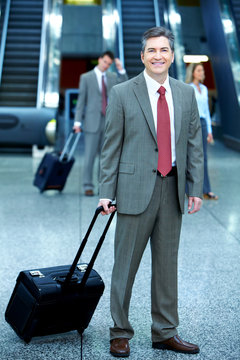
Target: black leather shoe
[(176, 344), (210, 196), (120, 347), (89, 192)]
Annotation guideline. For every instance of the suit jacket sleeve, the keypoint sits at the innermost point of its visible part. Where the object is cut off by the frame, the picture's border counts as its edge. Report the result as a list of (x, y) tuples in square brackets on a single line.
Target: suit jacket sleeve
[(122, 77), (112, 147), (194, 173), (82, 99)]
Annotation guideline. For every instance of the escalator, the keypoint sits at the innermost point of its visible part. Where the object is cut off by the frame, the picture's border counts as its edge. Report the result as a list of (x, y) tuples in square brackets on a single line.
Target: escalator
[(29, 70), (21, 59), (135, 20)]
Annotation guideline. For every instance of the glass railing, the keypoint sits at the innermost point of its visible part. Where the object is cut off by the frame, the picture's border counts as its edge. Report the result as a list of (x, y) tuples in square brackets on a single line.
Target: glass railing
[(232, 43), (49, 64)]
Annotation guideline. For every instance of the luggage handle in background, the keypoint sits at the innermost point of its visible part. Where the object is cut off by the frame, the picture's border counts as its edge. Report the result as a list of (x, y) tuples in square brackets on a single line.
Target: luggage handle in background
[(69, 139), (82, 246)]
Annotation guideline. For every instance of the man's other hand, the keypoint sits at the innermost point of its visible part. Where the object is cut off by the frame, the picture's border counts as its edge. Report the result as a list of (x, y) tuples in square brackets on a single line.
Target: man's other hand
[(118, 64), (194, 204), (77, 129)]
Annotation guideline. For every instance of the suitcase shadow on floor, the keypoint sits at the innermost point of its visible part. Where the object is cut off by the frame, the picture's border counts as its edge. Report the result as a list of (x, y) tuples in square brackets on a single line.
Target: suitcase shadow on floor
[(68, 337)]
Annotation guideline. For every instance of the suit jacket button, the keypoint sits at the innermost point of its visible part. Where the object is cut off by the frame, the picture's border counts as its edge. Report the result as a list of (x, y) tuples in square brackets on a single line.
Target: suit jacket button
[(154, 170), (156, 149)]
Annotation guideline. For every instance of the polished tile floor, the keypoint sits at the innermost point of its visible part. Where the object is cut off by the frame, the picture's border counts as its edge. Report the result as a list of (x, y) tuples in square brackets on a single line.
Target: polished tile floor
[(41, 230)]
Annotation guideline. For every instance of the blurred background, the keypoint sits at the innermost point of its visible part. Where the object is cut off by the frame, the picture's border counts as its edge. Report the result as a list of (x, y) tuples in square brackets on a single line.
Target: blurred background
[(47, 44)]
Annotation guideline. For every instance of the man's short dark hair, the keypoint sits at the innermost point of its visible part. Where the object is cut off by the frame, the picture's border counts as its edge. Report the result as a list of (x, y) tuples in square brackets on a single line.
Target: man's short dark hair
[(107, 53), (156, 32)]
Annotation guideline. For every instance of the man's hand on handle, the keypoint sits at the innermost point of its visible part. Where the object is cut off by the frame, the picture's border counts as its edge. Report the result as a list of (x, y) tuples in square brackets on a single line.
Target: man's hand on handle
[(107, 210), (194, 204)]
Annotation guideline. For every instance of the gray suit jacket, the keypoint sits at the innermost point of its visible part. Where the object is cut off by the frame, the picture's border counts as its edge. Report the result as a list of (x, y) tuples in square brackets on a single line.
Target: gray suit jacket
[(89, 104), (129, 156)]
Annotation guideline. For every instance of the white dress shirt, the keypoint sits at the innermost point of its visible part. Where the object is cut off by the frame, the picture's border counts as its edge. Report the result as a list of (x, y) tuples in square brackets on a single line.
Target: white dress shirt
[(152, 87), (99, 75), (202, 102)]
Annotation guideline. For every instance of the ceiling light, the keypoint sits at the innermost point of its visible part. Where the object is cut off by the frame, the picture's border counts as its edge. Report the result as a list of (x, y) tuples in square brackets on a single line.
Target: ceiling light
[(195, 58)]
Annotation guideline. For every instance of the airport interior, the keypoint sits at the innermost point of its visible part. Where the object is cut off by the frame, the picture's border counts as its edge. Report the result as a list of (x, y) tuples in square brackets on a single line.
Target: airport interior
[(46, 45)]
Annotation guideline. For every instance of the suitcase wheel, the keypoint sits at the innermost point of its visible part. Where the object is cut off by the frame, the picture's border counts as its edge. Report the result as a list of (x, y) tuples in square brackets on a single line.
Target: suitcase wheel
[(27, 339)]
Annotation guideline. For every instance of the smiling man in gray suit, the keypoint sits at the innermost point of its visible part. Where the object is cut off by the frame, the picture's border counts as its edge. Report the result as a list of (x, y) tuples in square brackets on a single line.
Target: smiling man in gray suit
[(147, 174), (94, 89)]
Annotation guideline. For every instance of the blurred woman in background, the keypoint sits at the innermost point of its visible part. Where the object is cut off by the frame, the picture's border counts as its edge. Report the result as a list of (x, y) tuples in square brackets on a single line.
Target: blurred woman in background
[(195, 77)]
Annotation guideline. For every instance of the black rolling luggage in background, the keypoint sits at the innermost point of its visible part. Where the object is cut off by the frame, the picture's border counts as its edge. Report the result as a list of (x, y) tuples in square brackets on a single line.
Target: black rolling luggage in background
[(57, 299), (53, 170)]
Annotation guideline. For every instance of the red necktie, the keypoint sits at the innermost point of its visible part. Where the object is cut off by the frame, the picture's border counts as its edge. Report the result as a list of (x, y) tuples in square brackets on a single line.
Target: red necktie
[(104, 97), (163, 134)]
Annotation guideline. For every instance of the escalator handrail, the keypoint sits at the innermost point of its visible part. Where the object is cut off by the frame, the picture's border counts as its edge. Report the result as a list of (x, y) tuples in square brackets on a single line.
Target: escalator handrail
[(4, 36), (120, 32), (156, 12), (42, 55)]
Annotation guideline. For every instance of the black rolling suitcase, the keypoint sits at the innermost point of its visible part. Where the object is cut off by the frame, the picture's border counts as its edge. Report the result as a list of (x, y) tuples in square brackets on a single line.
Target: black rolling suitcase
[(53, 170), (57, 299)]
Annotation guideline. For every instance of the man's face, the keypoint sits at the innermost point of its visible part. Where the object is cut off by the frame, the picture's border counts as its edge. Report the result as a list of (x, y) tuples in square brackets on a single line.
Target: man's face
[(157, 57), (104, 63)]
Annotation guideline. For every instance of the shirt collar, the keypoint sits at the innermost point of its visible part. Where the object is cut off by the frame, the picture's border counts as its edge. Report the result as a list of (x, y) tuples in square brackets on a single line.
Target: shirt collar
[(98, 72), (153, 85), (195, 86)]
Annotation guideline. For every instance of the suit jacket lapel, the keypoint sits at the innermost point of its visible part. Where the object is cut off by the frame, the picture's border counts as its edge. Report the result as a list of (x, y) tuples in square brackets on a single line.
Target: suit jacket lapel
[(141, 92), (109, 82), (177, 104), (94, 80)]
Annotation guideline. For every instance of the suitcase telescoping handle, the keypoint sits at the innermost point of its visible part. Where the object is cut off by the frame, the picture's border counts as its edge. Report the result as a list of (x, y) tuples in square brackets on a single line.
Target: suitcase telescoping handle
[(97, 249), (66, 146)]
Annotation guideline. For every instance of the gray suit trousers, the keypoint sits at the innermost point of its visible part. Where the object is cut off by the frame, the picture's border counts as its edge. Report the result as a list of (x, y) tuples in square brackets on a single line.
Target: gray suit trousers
[(93, 147), (161, 223)]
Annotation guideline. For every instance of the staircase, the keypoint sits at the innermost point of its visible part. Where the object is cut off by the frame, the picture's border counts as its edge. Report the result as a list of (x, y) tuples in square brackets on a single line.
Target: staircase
[(21, 59), (137, 17)]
